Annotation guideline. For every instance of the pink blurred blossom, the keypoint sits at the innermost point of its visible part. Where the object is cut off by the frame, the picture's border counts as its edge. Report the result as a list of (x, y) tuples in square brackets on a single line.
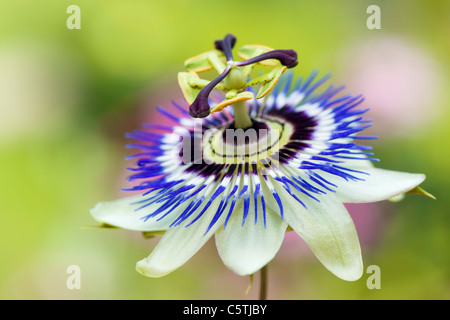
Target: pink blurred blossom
[(399, 80)]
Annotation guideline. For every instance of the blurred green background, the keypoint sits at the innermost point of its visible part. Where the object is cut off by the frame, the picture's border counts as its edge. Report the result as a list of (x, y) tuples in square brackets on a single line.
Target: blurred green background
[(68, 96)]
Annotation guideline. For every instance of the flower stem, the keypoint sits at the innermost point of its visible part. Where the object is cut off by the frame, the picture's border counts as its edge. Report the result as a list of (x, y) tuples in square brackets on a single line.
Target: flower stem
[(263, 284), (241, 117)]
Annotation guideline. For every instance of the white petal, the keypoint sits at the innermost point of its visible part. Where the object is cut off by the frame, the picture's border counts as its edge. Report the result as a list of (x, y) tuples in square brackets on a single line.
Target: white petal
[(361, 163), (122, 213), (328, 230), (246, 249), (180, 243), (378, 185)]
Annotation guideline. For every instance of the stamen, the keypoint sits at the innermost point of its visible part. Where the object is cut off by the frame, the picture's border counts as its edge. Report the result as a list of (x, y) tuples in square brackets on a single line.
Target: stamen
[(237, 81)]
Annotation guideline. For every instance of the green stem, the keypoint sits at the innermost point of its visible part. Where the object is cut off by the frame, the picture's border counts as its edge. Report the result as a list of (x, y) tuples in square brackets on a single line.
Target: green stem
[(263, 284), (237, 80), (242, 119)]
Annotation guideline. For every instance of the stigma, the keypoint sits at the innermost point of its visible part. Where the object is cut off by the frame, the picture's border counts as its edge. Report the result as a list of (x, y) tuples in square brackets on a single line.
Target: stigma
[(234, 76)]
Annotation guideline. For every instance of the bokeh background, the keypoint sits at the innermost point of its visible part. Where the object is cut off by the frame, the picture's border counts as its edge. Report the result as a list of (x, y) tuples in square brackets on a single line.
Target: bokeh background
[(68, 96)]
